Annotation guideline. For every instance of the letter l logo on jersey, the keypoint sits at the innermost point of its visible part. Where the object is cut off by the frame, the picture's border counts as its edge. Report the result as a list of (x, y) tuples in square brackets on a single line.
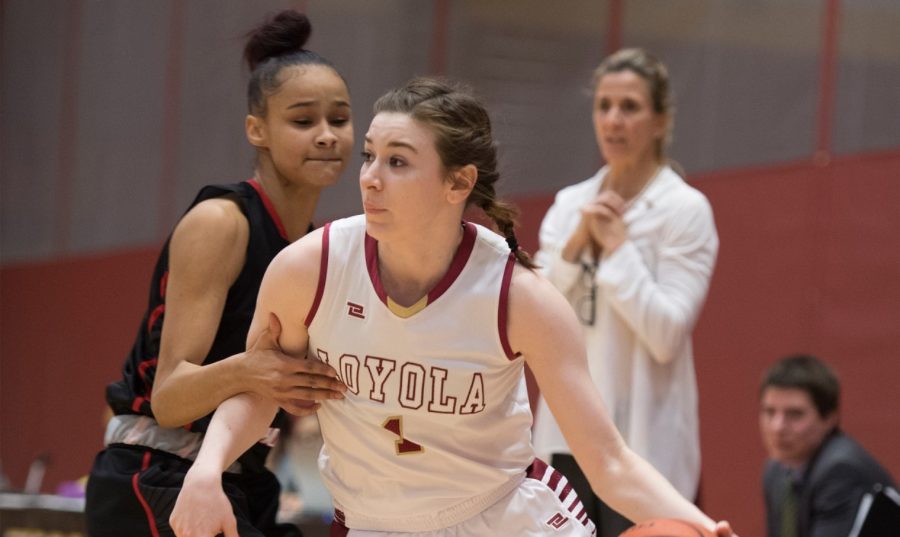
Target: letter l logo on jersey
[(557, 521), (355, 310)]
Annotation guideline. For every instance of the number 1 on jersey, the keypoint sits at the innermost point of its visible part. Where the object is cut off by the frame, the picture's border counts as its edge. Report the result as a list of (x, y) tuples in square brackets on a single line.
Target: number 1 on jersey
[(394, 424)]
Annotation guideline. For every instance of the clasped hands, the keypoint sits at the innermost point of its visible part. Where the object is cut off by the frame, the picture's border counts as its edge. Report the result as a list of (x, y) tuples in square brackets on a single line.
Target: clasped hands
[(602, 226)]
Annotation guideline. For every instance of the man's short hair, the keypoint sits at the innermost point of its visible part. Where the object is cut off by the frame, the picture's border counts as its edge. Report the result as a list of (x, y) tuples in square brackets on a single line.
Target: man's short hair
[(807, 373)]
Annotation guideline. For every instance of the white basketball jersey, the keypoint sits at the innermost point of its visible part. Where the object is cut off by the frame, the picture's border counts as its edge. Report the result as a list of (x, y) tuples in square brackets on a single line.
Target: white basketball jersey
[(436, 424)]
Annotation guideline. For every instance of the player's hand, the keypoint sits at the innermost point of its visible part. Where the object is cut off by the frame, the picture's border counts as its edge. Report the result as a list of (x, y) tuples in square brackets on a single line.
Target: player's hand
[(295, 383), (723, 529), (202, 509)]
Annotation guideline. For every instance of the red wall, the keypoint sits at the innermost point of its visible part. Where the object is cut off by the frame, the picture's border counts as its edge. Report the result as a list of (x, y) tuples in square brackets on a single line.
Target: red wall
[(809, 261), (66, 327)]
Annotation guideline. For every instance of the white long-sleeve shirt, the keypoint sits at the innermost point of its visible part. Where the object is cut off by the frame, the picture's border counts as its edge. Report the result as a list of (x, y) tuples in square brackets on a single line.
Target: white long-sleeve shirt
[(649, 293)]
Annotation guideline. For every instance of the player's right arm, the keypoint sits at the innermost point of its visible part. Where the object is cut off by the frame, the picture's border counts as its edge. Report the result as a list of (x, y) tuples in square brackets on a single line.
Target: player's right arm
[(207, 252), (285, 298), (543, 327)]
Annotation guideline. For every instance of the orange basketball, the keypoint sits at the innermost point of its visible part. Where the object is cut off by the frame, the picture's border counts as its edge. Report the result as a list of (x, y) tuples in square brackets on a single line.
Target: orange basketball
[(667, 527)]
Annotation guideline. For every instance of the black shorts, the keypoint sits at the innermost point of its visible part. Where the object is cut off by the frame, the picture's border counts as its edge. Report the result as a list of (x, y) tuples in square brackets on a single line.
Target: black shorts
[(131, 491)]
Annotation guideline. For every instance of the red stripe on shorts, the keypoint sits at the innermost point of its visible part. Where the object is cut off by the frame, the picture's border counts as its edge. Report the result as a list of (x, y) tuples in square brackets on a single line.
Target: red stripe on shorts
[(134, 484), (538, 470)]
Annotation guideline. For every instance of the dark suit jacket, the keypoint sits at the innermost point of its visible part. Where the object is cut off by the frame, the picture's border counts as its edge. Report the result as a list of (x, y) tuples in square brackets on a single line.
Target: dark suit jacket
[(830, 489)]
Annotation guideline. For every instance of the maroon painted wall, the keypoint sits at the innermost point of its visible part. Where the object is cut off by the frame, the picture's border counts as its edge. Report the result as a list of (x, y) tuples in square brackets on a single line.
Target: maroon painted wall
[(809, 261), (65, 328)]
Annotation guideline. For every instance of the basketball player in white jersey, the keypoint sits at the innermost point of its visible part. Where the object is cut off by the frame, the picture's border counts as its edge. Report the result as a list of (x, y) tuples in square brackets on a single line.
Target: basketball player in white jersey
[(429, 322)]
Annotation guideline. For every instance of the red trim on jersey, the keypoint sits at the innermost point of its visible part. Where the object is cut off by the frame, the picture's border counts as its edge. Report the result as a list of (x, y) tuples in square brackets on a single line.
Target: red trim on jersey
[(323, 269), (371, 250), (267, 203), (503, 310), (142, 373), (134, 485), (154, 315), (457, 264), (142, 369), (459, 261)]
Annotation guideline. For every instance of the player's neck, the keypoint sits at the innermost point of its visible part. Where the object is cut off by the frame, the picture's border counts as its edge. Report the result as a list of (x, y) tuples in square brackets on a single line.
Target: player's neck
[(410, 268), (294, 204)]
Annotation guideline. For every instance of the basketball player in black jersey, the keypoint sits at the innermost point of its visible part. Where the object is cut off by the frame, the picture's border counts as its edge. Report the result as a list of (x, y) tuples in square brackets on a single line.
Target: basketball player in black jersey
[(189, 354)]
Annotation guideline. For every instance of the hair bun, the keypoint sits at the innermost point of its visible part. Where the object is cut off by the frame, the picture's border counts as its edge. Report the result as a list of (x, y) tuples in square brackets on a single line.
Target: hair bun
[(284, 33)]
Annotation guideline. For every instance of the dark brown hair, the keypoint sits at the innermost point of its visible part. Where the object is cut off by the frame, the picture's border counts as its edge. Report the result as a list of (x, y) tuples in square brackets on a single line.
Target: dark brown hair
[(463, 136), (807, 373), (273, 45)]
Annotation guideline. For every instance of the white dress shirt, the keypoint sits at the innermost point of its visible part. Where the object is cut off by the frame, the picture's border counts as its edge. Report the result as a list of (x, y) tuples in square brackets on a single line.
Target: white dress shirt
[(649, 293)]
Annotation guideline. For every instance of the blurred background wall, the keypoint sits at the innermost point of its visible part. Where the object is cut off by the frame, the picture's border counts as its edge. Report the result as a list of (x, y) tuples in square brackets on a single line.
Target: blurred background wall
[(115, 112)]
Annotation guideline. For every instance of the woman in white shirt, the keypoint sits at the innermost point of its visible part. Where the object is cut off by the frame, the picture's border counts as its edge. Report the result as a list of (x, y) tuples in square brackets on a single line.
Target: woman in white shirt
[(633, 249)]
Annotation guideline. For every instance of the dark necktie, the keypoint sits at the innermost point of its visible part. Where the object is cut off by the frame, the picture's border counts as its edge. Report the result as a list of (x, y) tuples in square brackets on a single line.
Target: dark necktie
[(789, 508)]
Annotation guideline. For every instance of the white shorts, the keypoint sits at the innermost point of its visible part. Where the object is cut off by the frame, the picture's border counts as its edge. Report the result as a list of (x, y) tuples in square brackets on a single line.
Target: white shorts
[(544, 505)]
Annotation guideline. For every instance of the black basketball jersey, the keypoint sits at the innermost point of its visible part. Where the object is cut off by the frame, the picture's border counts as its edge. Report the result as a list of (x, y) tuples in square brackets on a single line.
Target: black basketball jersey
[(132, 394)]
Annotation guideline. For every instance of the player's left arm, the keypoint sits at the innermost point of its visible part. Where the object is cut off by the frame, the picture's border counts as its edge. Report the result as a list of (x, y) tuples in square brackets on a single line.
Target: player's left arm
[(285, 297), (543, 327)]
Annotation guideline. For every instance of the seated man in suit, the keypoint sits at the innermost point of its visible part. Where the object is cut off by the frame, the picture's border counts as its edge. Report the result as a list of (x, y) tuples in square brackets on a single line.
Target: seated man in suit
[(817, 474)]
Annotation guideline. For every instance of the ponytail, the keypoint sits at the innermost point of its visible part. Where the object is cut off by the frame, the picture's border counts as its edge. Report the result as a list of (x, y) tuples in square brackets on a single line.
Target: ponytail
[(504, 216)]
